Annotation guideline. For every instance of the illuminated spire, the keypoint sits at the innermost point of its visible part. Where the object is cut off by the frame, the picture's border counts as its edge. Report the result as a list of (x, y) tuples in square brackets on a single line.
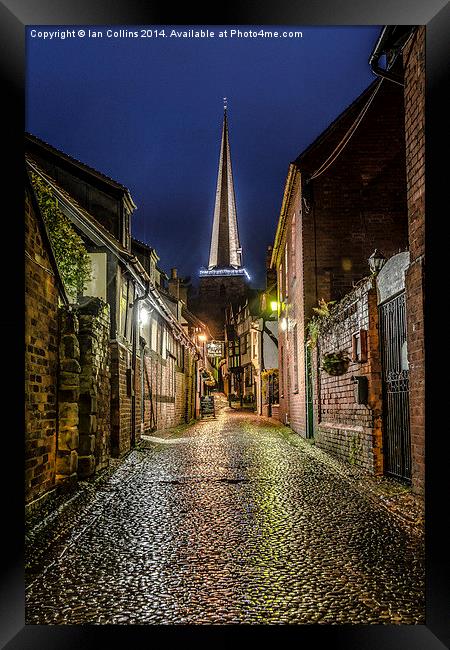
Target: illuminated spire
[(225, 250)]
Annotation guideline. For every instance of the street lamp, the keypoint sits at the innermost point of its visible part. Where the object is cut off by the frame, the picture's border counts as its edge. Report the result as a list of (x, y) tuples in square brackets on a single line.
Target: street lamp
[(144, 315), (274, 305), (202, 337), (376, 261)]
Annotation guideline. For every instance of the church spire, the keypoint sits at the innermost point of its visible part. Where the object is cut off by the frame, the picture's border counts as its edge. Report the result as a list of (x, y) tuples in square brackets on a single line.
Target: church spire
[(225, 251)]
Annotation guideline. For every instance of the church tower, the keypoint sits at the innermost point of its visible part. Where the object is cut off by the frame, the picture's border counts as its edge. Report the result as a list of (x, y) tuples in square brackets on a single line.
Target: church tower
[(224, 280)]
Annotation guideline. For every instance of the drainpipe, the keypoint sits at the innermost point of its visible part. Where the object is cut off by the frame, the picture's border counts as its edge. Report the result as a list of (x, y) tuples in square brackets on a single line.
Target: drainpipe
[(135, 312), (377, 52)]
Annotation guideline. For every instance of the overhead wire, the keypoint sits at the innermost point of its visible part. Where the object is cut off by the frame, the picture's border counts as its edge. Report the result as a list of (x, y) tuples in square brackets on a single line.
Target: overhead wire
[(347, 137)]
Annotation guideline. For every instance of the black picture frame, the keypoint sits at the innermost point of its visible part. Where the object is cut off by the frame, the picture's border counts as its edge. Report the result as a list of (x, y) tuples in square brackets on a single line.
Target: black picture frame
[(15, 15)]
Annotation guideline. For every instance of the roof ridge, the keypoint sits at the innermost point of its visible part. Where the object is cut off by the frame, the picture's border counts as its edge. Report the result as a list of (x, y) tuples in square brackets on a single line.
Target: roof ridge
[(72, 159), (323, 135)]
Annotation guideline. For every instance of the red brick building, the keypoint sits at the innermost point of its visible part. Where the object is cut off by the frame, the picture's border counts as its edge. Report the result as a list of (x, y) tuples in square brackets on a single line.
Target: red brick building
[(358, 187), (414, 63), (333, 215), (408, 45)]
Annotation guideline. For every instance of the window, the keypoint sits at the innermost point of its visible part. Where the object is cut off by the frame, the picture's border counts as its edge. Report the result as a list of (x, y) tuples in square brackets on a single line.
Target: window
[(123, 308), (180, 355), (359, 346), (233, 353), (158, 336), (126, 312), (280, 283), (286, 269), (293, 246), (295, 368), (150, 332), (171, 376)]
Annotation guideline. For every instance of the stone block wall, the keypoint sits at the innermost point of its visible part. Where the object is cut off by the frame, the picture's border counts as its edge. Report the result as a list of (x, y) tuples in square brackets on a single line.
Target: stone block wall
[(68, 395), (95, 389), (348, 430)]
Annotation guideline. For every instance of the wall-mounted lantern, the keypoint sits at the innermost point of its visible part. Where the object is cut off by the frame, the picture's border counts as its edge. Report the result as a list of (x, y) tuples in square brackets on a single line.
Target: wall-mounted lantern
[(376, 261)]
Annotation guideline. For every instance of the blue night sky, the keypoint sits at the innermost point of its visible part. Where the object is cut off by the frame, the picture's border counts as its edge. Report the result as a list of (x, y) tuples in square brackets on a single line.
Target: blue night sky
[(148, 112)]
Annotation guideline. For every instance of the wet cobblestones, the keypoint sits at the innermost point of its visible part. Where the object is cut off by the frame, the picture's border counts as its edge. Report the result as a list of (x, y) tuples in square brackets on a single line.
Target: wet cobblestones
[(231, 521)]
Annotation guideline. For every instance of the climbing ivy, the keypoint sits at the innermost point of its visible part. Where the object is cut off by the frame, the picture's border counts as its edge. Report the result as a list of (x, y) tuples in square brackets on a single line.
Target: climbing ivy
[(317, 322), (70, 253)]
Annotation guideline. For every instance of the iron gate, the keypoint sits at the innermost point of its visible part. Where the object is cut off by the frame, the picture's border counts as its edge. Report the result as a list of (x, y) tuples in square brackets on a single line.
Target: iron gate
[(309, 393), (396, 430)]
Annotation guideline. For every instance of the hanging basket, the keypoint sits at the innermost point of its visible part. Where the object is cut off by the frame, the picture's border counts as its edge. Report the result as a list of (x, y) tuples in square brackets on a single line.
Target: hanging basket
[(335, 363)]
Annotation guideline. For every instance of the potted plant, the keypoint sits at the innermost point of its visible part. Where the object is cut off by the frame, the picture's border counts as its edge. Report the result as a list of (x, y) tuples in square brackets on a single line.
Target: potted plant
[(335, 363)]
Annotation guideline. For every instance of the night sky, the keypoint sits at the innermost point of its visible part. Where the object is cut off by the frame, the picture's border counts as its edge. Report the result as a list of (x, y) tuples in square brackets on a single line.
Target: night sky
[(148, 112)]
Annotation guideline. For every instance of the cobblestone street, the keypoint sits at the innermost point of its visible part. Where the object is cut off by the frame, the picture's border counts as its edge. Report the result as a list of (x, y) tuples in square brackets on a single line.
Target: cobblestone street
[(233, 520)]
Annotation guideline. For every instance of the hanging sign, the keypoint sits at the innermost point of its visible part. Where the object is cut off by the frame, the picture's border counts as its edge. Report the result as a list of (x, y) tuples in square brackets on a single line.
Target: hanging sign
[(214, 349)]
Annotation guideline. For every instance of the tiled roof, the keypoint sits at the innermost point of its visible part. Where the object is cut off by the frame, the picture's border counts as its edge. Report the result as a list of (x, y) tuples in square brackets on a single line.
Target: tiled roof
[(91, 170), (88, 216)]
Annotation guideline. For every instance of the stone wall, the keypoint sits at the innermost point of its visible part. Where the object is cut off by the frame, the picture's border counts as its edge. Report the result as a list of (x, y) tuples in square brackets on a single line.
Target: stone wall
[(68, 396), (348, 430), (95, 390)]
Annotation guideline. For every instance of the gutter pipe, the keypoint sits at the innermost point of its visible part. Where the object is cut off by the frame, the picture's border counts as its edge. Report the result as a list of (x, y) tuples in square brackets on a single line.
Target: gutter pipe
[(377, 52)]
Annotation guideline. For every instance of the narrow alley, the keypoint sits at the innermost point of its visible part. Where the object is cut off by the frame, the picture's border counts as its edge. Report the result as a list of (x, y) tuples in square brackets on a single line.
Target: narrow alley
[(229, 520)]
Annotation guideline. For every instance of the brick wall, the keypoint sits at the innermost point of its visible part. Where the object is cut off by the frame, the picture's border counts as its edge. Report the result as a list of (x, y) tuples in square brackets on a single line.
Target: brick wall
[(348, 430), (41, 351), (358, 204), (121, 400), (414, 66), (171, 389)]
